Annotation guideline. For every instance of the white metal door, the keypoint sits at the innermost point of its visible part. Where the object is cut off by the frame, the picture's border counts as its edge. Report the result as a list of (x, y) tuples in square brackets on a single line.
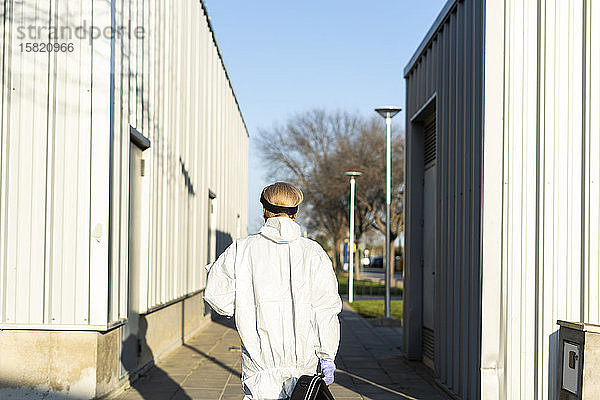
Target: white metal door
[(130, 340)]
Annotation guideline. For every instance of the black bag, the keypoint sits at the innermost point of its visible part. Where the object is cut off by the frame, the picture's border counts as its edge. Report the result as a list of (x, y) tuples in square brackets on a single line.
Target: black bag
[(311, 387)]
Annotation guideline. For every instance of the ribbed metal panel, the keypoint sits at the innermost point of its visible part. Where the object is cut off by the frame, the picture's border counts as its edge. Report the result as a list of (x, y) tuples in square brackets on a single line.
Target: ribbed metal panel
[(541, 204), (444, 78), (64, 166)]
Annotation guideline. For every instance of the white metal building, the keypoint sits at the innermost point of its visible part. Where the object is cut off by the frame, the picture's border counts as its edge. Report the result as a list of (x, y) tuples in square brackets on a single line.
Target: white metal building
[(502, 192), (123, 170)]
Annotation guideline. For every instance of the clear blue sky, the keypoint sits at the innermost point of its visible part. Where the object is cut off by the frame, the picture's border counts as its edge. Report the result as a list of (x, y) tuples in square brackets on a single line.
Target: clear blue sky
[(286, 57)]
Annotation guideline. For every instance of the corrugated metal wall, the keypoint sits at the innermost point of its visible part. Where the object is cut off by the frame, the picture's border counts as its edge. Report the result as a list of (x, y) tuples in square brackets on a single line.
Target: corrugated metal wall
[(180, 97), (541, 199), (445, 76), (65, 151)]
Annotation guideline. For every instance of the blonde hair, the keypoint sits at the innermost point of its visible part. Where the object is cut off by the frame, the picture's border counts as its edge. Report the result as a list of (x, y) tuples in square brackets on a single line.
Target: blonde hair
[(282, 194)]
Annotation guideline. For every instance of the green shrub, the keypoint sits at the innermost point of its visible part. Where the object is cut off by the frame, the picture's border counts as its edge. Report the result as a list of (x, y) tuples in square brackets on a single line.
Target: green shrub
[(375, 308)]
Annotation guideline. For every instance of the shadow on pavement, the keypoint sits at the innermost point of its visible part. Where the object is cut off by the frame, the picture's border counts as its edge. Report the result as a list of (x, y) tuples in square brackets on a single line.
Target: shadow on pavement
[(156, 383), (214, 361)]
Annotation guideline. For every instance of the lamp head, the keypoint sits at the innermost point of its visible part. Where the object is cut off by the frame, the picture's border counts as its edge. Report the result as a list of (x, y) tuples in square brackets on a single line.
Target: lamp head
[(388, 112), (353, 173)]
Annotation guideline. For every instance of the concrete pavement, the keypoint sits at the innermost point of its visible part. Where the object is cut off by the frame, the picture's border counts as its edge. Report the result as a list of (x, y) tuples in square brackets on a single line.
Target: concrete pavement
[(370, 367)]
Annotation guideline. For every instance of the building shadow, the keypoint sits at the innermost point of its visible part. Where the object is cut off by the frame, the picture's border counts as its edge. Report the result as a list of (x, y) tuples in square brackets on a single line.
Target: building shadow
[(155, 380), (228, 322), (224, 239), (214, 360)]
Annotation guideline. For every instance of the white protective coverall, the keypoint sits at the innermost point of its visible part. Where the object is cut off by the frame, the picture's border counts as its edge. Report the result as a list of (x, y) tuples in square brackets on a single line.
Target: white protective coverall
[(283, 292)]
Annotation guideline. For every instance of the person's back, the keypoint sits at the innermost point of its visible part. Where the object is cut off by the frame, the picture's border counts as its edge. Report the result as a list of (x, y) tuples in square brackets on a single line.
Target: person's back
[(282, 289)]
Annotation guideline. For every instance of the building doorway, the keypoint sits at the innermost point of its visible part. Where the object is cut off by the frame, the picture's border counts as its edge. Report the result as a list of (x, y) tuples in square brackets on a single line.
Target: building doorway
[(130, 332)]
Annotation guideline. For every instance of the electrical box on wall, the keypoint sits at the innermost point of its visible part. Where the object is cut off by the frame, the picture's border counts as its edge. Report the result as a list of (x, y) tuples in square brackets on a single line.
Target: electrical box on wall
[(578, 361)]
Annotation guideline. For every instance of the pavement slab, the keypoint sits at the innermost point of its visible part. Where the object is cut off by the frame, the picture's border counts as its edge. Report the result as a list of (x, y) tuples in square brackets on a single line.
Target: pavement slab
[(208, 367)]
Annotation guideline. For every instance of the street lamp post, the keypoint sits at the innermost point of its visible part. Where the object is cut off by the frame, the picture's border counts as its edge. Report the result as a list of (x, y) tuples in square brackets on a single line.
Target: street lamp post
[(352, 175), (388, 113)]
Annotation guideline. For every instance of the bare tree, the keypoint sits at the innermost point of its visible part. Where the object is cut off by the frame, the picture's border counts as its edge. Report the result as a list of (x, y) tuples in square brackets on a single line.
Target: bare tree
[(314, 149)]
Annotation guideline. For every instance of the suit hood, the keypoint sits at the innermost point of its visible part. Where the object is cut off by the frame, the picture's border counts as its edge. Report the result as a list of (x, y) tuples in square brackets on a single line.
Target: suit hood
[(281, 230)]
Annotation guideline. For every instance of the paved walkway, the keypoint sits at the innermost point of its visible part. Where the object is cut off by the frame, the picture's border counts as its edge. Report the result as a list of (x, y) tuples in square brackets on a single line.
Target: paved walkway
[(370, 367)]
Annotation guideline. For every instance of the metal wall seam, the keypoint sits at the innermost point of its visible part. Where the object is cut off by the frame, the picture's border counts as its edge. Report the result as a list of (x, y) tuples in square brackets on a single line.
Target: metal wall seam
[(592, 127), (55, 141), (476, 315), (9, 97), (13, 250), (546, 202), (124, 167), (192, 152), (439, 320), (146, 244), (442, 121), (100, 168), (203, 129), (84, 174), (492, 351), (452, 237), (114, 224), (468, 216), (4, 105)]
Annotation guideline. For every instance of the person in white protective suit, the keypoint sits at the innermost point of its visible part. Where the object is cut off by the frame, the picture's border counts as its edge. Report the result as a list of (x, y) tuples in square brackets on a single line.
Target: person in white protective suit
[(282, 290)]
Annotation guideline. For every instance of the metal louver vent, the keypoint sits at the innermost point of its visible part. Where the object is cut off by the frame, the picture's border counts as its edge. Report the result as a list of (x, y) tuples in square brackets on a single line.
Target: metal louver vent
[(428, 343), (429, 133)]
